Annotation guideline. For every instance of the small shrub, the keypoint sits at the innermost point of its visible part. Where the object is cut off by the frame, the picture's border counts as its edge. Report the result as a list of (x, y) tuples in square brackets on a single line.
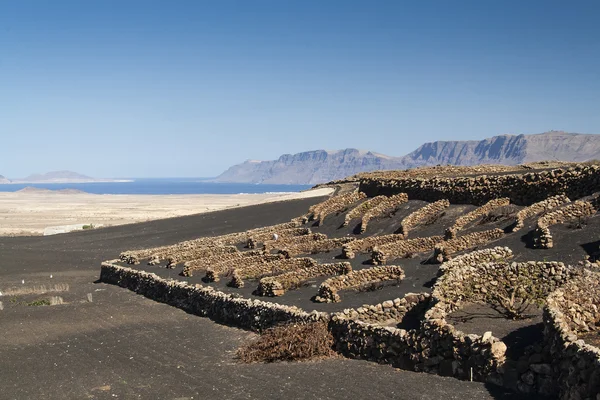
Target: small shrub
[(42, 302), (89, 226), (289, 342)]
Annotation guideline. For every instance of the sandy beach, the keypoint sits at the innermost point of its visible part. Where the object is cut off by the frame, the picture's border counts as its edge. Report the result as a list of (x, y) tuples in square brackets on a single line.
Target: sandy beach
[(32, 213)]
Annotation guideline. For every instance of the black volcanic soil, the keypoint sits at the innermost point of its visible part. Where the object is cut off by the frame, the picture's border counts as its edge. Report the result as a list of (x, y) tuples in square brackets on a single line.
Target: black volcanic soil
[(516, 334), (122, 345)]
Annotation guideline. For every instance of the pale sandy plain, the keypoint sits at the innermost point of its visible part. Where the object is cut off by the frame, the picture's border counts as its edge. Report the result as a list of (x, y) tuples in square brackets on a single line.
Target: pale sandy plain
[(31, 213)]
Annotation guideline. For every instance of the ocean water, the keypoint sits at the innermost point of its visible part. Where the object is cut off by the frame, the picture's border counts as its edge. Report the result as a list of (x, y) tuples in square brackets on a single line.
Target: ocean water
[(160, 186)]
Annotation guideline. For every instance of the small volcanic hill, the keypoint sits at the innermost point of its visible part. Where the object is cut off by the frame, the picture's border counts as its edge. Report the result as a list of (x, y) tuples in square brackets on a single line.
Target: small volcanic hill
[(320, 166), (4, 180)]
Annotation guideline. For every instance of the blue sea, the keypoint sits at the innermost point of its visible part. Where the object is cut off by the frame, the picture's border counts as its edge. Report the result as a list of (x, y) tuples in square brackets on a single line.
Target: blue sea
[(160, 186)]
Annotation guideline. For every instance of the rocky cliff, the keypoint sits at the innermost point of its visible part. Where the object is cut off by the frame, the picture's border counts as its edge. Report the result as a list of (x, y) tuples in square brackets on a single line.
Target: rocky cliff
[(319, 166), (310, 167)]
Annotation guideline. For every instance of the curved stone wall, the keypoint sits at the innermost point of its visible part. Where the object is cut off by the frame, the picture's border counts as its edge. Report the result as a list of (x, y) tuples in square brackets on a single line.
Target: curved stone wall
[(274, 267), (349, 250), (214, 272), (569, 312), (278, 285), (254, 239), (403, 248), (314, 247), (201, 264), (443, 251), (290, 241), (422, 215), (578, 209), (333, 205), (328, 291), (474, 215), (538, 208), (361, 209), (385, 207)]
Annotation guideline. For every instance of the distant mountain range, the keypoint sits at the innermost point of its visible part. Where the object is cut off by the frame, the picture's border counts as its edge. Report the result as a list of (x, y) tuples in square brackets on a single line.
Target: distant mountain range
[(55, 177), (320, 166)]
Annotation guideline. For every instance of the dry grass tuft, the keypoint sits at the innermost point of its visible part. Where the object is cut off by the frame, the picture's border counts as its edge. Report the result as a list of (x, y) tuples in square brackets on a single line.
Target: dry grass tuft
[(289, 342), (42, 289)]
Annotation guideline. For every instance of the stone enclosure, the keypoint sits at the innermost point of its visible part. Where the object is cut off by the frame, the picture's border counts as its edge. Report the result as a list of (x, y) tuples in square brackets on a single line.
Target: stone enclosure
[(319, 260)]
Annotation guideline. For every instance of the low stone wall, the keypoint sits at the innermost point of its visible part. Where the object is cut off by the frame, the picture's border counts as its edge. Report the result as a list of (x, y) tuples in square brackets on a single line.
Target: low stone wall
[(165, 252), (198, 253), (443, 251), (333, 205), (570, 311), (328, 291), (282, 234), (316, 246), (385, 207), (162, 252), (403, 248), (278, 285), (474, 215), (250, 314), (349, 250), (285, 242), (214, 272), (538, 208), (521, 189), (361, 209), (260, 270), (422, 215), (542, 237), (484, 276), (390, 310), (201, 264)]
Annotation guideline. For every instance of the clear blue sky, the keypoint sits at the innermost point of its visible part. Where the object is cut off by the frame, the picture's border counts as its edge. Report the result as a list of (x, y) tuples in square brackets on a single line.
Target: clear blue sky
[(188, 88)]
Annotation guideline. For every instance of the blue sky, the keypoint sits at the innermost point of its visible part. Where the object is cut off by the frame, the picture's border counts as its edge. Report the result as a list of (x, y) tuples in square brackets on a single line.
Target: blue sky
[(188, 88)]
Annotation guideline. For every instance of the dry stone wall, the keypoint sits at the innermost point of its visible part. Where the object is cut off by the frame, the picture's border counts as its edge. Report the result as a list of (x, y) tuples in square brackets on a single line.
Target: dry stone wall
[(260, 270), (474, 215), (538, 208), (328, 291), (250, 314), (214, 272), (361, 209), (349, 250), (521, 189), (403, 248), (422, 215), (573, 211), (570, 311), (201, 264), (278, 285), (443, 251), (385, 207), (316, 246), (255, 239), (198, 253), (333, 205), (285, 242)]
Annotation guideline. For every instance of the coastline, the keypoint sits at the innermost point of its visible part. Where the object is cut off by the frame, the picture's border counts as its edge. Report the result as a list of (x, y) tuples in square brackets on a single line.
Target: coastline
[(32, 213)]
